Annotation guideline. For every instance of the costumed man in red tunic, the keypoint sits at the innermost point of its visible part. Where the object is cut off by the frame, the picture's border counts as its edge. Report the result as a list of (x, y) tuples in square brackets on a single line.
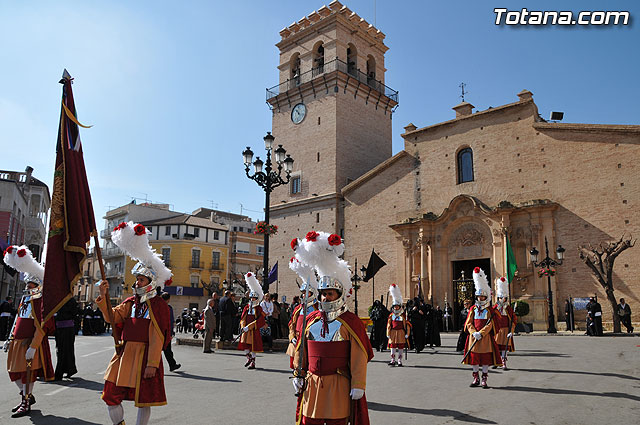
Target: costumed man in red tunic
[(142, 324), (398, 327), (29, 356), (333, 350), (481, 325), (507, 320), (251, 321), (308, 291)]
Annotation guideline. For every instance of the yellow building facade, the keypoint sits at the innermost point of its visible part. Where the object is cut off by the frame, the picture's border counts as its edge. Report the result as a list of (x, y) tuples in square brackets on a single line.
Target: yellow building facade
[(197, 252)]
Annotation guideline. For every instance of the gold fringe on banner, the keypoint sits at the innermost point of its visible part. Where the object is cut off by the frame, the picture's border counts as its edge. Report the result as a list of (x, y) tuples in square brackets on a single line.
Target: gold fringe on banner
[(72, 118)]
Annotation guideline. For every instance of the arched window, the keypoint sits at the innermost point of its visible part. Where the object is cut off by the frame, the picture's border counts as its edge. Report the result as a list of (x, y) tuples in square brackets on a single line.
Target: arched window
[(371, 69), (465, 165), (318, 59), (294, 69), (352, 59)]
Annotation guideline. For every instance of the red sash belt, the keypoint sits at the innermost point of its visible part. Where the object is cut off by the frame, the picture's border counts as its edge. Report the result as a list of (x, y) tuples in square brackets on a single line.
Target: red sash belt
[(397, 324), (136, 329), (250, 318), (326, 358), (25, 328)]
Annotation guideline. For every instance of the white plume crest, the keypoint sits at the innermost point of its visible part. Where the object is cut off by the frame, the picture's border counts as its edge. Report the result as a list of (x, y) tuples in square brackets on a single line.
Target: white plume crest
[(254, 285), (316, 250), (305, 271), (25, 263), (502, 287), (396, 294), (480, 282), (138, 248)]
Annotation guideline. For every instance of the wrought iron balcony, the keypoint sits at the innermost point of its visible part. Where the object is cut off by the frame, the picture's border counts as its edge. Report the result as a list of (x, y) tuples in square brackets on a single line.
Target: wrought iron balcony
[(105, 233), (215, 267), (196, 265), (334, 65), (112, 252)]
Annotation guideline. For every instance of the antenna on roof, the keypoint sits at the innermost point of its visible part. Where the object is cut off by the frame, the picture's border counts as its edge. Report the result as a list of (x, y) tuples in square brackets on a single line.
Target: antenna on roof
[(214, 205), (374, 13), (462, 86)]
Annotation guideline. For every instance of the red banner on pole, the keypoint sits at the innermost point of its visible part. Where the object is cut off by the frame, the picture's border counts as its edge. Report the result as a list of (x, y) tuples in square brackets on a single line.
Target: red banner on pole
[(72, 222)]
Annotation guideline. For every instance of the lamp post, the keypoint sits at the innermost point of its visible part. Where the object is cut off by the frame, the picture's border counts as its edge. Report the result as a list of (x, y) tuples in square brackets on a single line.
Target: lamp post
[(268, 180), (546, 263), (355, 279)]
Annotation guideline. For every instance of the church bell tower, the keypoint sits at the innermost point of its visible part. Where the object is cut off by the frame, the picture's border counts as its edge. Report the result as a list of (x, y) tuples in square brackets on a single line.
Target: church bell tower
[(332, 112)]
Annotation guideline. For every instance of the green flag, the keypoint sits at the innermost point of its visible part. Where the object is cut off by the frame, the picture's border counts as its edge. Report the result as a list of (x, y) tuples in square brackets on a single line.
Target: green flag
[(511, 262)]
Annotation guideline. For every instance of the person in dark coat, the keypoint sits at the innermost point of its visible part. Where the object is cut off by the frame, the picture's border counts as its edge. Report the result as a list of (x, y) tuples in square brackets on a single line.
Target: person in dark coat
[(596, 314), (6, 311), (462, 339), (168, 352), (568, 315), (624, 311), (225, 319), (417, 319), (65, 340)]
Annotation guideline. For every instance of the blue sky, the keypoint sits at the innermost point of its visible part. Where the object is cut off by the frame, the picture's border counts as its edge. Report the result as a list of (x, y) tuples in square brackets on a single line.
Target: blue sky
[(176, 90)]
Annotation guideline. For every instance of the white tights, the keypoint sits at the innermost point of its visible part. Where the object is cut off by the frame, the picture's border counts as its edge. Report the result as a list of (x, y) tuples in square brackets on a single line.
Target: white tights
[(144, 413), (476, 368), (253, 355), (25, 388), (396, 352), (116, 413)]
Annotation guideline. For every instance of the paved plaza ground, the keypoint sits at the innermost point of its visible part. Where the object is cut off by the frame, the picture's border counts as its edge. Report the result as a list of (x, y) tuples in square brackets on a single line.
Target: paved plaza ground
[(553, 380)]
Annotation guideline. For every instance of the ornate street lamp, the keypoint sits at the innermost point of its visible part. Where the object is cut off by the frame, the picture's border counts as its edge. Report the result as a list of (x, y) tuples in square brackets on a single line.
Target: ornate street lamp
[(546, 265), (268, 180)]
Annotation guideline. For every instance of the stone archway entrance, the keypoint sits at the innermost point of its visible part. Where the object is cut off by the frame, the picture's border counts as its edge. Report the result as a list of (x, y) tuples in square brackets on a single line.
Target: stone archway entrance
[(462, 284)]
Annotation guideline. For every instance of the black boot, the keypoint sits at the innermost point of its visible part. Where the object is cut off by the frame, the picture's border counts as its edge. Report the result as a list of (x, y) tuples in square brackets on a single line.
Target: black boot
[(23, 410), (248, 362), (32, 401)]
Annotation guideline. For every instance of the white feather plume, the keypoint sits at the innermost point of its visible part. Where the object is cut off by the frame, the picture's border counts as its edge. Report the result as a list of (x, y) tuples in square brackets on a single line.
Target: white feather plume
[(138, 248), (396, 294), (25, 264), (305, 271), (480, 281), (254, 285), (502, 287), (317, 251)]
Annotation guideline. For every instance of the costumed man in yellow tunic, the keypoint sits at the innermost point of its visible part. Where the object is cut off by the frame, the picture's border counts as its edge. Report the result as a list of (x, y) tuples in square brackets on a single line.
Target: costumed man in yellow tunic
[(481, 325), (398, 327), (252, 320), (333, 350), (142, 323), (29, 356), (507, 320), (308, 291)]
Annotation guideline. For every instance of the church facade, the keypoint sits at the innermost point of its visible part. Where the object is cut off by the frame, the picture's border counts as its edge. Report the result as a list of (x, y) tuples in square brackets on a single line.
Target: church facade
[(447, 202)]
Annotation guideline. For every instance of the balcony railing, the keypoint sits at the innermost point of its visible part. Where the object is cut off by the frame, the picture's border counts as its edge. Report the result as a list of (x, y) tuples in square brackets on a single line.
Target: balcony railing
[(197, 265), (334, 65), (112, 252), (105, 233), (216, 267)]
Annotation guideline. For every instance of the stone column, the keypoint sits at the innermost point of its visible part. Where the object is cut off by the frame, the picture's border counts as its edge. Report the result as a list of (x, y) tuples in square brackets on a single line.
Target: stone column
[(406, 246)]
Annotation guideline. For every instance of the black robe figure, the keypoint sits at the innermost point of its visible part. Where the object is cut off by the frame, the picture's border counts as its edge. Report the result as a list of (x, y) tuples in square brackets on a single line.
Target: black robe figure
[(65, 340), (87, 320), (595, 310), (98, 322), (379, 315), (433, 333), (417, 319), (462, 339)]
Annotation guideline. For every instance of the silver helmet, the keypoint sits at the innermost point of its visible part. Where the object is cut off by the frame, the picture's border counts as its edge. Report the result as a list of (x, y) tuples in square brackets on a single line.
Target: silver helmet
[(148, 291)]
